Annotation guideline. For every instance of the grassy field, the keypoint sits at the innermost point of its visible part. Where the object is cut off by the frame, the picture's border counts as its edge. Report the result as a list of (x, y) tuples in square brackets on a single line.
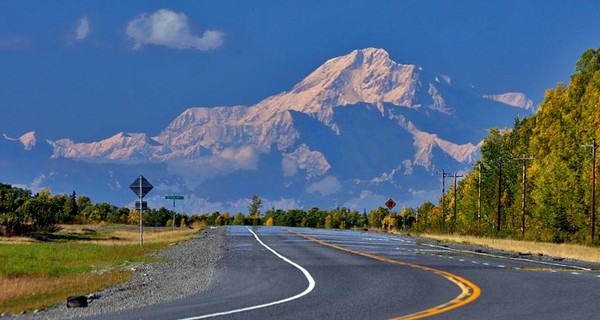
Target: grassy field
[(568, 251), (45, 269)]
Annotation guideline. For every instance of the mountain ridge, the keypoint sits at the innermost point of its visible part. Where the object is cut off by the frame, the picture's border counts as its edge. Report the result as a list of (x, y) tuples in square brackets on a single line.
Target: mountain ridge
[(351, 99), (380, 80)]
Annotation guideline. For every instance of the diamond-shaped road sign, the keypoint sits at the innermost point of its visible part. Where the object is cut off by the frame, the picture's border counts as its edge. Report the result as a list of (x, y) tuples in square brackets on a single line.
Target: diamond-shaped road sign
[(141, 186), (390, 204)]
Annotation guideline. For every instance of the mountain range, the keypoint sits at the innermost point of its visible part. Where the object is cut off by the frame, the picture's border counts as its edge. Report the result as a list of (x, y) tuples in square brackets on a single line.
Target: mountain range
[(359, 129)]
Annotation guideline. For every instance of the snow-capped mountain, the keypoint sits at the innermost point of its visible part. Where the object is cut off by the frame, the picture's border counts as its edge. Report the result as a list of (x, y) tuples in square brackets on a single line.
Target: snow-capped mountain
[(357, 123), (28, 140)]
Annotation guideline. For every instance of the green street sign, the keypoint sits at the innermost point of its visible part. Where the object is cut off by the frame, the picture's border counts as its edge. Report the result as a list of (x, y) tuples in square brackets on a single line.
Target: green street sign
[(174, 197)]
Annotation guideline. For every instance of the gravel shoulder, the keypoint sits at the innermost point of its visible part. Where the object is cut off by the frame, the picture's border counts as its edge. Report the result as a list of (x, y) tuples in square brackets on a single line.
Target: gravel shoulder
[(184, 269)]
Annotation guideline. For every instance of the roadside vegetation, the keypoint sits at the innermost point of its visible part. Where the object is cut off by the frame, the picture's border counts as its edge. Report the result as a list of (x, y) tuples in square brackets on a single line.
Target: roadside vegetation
[(46, 268), (55, 246), (563, 250), (557, 142), (22, 212)]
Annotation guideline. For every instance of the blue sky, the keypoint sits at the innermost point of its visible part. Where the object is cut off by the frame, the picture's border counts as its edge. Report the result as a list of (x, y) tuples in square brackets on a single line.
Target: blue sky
[(89, 69)]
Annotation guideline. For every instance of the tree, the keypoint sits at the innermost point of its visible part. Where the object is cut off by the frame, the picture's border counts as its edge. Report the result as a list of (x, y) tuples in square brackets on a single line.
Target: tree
[(254, 209), (238, 219), (85, 206), (39, 212), (134, 217), (226, 218), (269, 222), (219, 221), (71, 209), (183, 223), (425, 213), (376, 216), (255, 205), (328, 222)]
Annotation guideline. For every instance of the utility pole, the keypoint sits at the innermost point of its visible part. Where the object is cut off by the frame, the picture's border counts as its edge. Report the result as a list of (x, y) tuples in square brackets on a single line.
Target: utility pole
[(455, 199), (479, 199), (499, 192), (594, 146), (524, 158), (444, 175)]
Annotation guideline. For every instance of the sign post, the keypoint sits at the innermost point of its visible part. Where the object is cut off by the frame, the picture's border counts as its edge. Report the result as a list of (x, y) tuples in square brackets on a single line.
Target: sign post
[(141, 187), (390, 204), (174, 198)]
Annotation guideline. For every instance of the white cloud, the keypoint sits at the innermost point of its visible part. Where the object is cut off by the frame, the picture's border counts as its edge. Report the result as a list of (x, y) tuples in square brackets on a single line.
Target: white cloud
[(14, 42), (245, 158), (193, 204), (329, 185), (229, 160), (83, 29), (367, 200), (170, 29), (36, 185), (37, 182), (420, 196), (282, 203), (365, 193), (289, 166)]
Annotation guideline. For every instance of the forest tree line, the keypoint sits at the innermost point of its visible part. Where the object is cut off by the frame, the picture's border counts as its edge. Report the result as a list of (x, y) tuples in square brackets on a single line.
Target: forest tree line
[(22, 212), (552, 152)]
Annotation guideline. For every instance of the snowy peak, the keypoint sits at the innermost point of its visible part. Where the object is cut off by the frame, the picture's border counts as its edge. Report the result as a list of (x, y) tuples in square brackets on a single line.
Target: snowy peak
[(362, 76), (201, 116), (514, 99), (28, 140), (121, 146)]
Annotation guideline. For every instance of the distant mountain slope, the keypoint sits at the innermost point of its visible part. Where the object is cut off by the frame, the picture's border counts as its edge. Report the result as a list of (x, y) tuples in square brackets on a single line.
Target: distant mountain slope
[(355, 119)]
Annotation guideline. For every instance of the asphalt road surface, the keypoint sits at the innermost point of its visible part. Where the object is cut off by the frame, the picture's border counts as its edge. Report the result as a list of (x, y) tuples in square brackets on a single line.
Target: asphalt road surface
[(295, 273)]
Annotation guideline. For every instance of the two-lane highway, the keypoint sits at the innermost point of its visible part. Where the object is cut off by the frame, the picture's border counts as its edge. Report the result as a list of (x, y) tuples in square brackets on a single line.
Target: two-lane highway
[(279, 273)]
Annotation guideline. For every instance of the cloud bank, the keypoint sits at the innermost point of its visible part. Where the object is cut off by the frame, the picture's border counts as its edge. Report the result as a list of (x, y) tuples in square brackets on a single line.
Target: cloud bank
[(328, 186), (83, 29), (196, 171), (14, 42), (172, 30)]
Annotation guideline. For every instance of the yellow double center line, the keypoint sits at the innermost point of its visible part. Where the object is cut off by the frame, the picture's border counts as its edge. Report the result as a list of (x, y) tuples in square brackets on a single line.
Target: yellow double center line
[(469, 291)]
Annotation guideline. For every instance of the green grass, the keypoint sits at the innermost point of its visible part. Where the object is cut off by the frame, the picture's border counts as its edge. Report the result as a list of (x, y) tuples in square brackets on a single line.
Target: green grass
[(45, 269), (66, 258)]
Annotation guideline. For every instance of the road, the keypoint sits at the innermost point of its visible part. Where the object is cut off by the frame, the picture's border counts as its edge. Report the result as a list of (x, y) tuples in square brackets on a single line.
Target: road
[(296, 273)]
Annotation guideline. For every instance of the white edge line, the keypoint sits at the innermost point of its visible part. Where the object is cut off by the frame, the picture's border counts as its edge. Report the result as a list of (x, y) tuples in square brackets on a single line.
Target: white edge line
[(311, 286), (509, 258)]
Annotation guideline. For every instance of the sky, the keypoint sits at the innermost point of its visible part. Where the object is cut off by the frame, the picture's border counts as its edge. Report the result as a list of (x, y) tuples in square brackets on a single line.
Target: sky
[(86, 70)]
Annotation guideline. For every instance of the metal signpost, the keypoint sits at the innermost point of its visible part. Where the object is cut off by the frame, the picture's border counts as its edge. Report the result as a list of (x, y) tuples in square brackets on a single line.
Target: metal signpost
[(141, 187), (174, 198), (390, 204)]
